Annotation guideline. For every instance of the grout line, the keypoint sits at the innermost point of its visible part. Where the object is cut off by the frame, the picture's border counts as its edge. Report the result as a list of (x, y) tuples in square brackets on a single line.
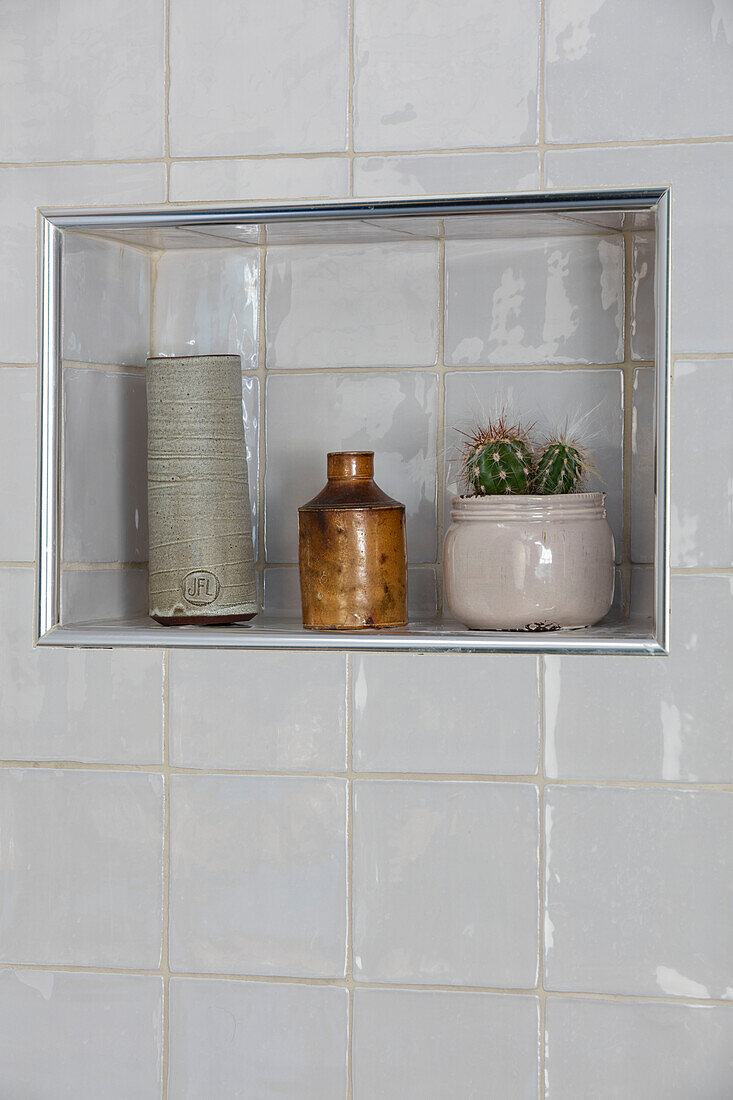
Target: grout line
[(350, 868), (552, 146), (350, 98), (440, 427), (541, 94), (262, 434), (542, 871), (165, 952), (393, 777), (628, 404), (166, 98), (417, 987)]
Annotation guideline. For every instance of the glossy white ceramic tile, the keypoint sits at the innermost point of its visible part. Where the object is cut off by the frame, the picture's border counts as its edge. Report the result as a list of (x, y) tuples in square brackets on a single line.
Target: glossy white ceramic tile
[(643, 1051), (429, 713), (610, 718), (68, 1035), (638, 891), (94, 706), (604, 58), (445, 883), (274, 712), (102, 279), (409, 1045), (702, 461), (702, 217), (642, 318), (82, 80), (105, 502), (642, 465), (675, 729), (24, 189), (265, 180), (81, 867), (258, 875), (352, 305), (88, 594), (430, 76), (588, 402), (206, 303), (522, 301), (446, 173), (282, 592), (395, 415), (17, 453), (269, 80), (238, 1039)]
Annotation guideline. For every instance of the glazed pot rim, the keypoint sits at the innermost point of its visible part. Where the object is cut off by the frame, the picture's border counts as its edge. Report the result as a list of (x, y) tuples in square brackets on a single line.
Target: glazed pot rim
[(529, 506), (168, 358)]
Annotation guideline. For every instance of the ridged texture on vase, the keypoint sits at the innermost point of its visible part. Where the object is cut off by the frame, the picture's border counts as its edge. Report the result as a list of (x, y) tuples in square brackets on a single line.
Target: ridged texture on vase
[(201, 565)]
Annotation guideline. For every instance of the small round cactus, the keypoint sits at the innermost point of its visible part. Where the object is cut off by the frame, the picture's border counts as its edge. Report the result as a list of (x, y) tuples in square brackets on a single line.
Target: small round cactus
[(560, 468), (497, 459)]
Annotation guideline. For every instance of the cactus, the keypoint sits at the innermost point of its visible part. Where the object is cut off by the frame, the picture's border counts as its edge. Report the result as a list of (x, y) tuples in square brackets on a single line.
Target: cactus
[(560, 468), (497, 459)]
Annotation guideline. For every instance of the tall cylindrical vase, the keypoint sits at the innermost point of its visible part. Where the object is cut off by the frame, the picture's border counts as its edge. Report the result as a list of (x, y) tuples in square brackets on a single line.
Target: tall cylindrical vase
[(200, 562)]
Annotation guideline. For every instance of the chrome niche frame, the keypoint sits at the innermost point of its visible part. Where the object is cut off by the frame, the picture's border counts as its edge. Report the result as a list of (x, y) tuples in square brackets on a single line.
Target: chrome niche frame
[(54, 223)]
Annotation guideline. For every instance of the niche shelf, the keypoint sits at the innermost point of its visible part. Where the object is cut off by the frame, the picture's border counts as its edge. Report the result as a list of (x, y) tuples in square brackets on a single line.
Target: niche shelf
[(361, 325)]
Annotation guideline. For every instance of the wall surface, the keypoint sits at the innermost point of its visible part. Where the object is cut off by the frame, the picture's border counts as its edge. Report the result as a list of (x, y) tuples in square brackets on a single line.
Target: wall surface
[(316, 875)]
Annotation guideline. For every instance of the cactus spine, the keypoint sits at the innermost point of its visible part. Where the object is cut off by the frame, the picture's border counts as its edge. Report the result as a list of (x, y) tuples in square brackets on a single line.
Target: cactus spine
[(497, 459), (560, 468)]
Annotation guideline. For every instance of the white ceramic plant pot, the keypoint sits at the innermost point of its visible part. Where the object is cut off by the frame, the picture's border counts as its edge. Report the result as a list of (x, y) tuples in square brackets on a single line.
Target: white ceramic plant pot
[(519, 562)]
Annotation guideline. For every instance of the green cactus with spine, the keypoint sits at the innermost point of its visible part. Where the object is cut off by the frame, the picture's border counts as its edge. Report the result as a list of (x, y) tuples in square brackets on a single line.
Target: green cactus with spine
[(561, 466), (497, 459)]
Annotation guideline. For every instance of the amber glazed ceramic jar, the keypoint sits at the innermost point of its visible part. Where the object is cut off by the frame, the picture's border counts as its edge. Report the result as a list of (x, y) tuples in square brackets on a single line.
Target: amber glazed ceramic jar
[(352, 550), (528, 562)]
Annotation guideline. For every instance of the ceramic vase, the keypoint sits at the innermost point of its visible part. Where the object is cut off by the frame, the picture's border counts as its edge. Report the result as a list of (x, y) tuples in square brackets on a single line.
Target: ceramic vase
[(200, 564), (352, 550), (529, 562)]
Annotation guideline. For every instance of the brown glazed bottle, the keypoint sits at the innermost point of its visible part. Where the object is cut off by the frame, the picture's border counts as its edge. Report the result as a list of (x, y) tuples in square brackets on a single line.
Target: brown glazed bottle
[(352, 550)]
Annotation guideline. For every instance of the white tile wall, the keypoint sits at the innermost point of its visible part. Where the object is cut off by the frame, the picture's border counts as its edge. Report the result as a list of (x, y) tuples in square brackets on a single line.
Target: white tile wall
[(81, 867), (429, 713), (234, 1038), (17, 453), (445, 883), (206, 303), (279, 712), (102, 279), (446, 173), (352, 305), (668, 719), (308, 415), (232, 93), (22, 190), (620, 71), (642, 1051), (445, 99), (268, 180), (82, 80), (702, 261), (258, 875), (643, 451), (105, 502), (414, 1044), (71, 1035), (702, 460), (95, 706), (429, 76), (630, 905), (511, 302)]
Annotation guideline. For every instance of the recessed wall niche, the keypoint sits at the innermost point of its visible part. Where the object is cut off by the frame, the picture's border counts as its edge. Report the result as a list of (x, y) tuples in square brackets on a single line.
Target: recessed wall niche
[(384, 326)]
